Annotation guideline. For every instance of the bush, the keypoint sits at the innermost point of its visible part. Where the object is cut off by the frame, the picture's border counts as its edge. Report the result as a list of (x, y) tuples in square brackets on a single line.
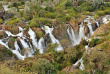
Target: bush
[(1, 21), (87, 6), (42, 66), (12, 39), (94, 42), (39, 34)]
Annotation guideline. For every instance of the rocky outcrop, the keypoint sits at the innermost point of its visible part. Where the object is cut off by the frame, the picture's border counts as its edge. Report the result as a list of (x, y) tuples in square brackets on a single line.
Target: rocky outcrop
[(60, 32), (94, 25), (74, 24), (12, 29), (39, 32), (3, 34), (86, 30)]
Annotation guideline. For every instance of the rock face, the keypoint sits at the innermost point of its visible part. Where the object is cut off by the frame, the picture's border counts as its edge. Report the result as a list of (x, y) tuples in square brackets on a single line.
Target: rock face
[(13, 29), (74, 25), (101, 30), (99, 20), (4, 27), (60, 32), (86, 29), (94, 25)]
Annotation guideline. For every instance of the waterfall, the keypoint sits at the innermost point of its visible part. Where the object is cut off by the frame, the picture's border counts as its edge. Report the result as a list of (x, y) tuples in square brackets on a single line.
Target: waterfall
[(28, 49), (16, 52), (96, 22), (41, 45), (10, 34), (4, 44), (33, 37), (76, 39), (20, 29), (89, 24), (24, 44), (16, 46), (71, 35), (106, 19), (81, 64), (81, 33), (53, 39)]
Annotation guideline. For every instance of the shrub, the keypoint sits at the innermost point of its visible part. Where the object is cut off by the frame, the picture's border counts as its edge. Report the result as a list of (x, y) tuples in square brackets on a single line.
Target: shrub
[(65, 43), (94, 42), (1, 21), (12, 39), (39, 34), (86, 6), (42, 66)]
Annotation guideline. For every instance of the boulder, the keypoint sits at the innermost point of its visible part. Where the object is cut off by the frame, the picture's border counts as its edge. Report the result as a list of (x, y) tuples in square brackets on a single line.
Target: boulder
[(86, 29)]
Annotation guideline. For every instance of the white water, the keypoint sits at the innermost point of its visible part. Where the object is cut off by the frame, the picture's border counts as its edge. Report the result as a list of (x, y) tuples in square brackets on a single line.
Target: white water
[(14, 51), (33, 37), (96, 23), (81, 64), (106, 19), (89, 25), (76, 39), (81, 33), (20, 29), (5, 7), (53, 39), (71, 35), (18, 35), (41, 44), (16, 46), (4, 44), (26, 46)]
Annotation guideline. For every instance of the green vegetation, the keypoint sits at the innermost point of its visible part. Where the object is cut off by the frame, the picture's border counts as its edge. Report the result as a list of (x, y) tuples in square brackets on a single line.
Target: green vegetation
[(56, 13)]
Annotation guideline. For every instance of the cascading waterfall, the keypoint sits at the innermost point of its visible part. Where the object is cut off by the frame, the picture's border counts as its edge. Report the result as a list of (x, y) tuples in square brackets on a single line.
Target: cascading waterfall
[(14, 51), (81, 64), (53, 39), (33, 37), (74, 39), (41, 44), (81, 33), (26, 46), (16, 46), (20, 29), (30, 48), (4, 44), (89, 25), (96, 23), (71, 35)]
